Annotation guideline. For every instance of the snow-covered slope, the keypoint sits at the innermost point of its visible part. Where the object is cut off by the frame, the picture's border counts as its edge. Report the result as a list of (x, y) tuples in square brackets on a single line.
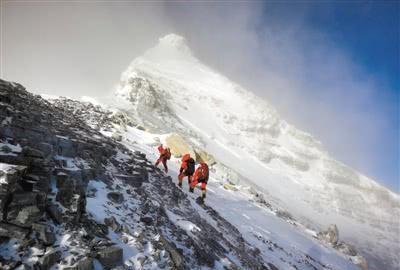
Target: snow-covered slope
[(169, 90)]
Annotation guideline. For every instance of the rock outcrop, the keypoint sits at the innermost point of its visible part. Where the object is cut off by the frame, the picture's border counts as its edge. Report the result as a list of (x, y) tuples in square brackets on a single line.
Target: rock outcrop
[(330, 236), (179, 146)]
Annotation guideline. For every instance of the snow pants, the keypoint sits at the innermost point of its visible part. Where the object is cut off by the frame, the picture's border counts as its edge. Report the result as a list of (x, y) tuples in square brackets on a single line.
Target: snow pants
[(203, 186)]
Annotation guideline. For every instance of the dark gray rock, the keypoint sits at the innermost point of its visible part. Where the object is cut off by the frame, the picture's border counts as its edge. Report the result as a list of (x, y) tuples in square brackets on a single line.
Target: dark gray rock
[(24, 199), (85, 264), (113, 224), (31, 152), (49, 259), (4, 199), (126, 229), (27, 216), (45, 148), (176, 257), (110, 257), (147, 220), (62, 179), (47, 237), (13, 231), (116, 197), (54, 212)]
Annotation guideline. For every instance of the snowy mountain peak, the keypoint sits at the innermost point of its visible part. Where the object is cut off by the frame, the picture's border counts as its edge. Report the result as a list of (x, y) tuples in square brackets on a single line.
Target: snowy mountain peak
[(171, 47), (174, 40)]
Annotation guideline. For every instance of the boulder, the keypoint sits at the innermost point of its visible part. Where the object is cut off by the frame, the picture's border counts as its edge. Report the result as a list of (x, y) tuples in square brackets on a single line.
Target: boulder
[(11, 173), (330, 236), (27, 216), (147, 220), (116, 197), (85, 264), (50, 258), (179, 146), (176, 257), (125, 229), (54, 212), (110, 257), (47, 237), (112, 223)]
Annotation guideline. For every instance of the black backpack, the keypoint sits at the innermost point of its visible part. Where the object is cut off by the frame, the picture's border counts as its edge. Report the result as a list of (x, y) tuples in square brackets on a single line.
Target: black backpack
[(190, 166)]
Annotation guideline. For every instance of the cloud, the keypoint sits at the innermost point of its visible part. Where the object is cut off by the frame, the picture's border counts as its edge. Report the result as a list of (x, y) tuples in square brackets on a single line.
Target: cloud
[(81, 48)]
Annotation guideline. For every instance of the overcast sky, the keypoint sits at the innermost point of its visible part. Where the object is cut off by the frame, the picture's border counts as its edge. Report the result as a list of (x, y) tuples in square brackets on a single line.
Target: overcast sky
[(331, 69)]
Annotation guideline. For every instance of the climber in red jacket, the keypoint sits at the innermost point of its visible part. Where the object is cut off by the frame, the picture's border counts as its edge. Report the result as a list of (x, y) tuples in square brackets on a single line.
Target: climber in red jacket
[(165, 154), (187, 169), (200, 176)]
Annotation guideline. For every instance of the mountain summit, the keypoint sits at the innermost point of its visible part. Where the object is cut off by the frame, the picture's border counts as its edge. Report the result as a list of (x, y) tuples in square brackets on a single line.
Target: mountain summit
[(169, 47), (175, 41), (169, 90)]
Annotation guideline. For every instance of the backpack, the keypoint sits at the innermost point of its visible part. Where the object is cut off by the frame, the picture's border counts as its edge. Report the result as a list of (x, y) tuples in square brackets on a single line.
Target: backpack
[(185, 157), (167, 154), (205, 171), (190, 166)]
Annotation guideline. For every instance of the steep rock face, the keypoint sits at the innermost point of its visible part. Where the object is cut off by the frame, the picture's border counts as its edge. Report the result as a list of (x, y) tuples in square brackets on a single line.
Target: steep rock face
[(237, 127), (43, 194)]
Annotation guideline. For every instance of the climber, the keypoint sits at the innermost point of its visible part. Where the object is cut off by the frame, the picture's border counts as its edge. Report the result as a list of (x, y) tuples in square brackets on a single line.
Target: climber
[(165, 154), (200, 176), (187, 169)]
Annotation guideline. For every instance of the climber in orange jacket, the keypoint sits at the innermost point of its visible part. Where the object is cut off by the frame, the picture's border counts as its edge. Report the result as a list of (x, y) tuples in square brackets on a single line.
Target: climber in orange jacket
[(200, 176), (165, 154), (187, 169)]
